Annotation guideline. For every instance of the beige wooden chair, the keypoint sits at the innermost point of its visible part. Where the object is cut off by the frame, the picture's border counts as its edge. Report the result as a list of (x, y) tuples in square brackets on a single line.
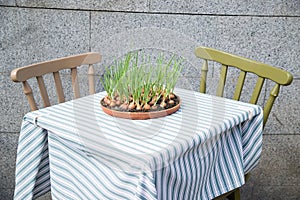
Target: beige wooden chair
[(37, 70), (245, 66)]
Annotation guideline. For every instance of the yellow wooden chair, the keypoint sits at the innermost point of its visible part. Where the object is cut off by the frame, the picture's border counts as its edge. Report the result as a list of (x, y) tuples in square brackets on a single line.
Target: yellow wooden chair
[(262, 71), (22, 74)]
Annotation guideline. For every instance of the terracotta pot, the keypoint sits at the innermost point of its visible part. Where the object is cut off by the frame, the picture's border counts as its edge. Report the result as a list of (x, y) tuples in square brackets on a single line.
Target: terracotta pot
[(140, 115)]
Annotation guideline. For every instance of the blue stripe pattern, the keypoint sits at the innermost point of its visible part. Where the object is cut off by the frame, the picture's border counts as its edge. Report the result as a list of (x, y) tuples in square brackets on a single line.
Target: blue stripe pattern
[(78, 152)]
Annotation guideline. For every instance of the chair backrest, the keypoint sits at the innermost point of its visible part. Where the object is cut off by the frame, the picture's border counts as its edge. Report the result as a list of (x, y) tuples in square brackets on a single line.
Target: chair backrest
[(263, 72), (37, 70)]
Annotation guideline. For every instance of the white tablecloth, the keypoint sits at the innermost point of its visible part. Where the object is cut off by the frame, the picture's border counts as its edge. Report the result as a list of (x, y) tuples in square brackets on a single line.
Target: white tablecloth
[(79, 152)]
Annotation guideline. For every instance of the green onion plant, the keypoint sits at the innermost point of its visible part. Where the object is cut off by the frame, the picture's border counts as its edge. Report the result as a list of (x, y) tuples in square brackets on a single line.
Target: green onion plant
[(136, 83)]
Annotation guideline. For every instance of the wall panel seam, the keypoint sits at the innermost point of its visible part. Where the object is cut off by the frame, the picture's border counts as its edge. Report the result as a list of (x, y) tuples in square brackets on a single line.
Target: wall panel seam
[(156, 13)]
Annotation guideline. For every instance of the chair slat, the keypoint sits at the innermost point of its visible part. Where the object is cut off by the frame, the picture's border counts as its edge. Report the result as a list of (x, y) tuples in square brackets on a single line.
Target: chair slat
[(268, 106), (91, 77), (222, 80), (28, 92), (43, 91), (38, 70), (75, 83), (263, 70), (257, 90), (239, 86), (204, 70), (59, 88)]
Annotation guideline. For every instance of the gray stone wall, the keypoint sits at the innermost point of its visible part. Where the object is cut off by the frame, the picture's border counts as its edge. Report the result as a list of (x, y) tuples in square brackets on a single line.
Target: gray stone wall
[(263, 30)]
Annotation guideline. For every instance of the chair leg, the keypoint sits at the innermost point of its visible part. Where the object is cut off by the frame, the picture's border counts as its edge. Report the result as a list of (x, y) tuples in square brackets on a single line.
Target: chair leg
[(236, 195)]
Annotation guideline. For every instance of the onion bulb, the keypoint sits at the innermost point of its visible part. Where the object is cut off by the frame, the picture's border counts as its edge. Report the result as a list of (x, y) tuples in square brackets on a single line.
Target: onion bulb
[(171, 96), (131, 106), (138, 107), (146, 107), (171, 102), (163, 104), (112, 103), (124, 106)]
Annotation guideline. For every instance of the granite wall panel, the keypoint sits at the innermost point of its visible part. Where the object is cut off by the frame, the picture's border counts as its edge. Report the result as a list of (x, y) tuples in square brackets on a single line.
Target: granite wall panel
[(229, 7), (8, 2), (111, 5), (35, 35), (8, 37), (49, 34), (8, 152), (274, 41), (11, 107), (125, 32), (267, 31)]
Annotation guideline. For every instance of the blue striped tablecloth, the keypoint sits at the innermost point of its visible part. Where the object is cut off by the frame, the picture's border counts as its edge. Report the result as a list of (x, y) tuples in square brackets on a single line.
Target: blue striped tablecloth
[(76, 150)]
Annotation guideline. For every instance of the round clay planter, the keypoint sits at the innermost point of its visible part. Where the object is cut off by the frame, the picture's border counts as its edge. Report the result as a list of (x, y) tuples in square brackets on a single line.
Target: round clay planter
[(140, 115)]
